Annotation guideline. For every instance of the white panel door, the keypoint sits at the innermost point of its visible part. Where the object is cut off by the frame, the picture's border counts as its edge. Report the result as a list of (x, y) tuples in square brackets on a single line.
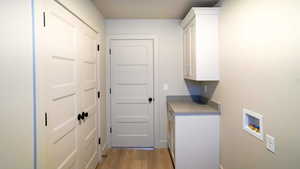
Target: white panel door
[(132, 93), (88, 98), (62, 91), (71, 91)]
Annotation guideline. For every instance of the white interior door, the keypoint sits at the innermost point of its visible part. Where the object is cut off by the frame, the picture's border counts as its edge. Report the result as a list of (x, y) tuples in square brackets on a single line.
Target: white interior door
[(62, 88), (132, 87), (87, 40), (71, 87)]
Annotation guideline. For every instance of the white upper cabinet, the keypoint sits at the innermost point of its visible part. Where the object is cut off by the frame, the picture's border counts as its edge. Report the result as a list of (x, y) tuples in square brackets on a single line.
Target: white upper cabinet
[(200, 44)]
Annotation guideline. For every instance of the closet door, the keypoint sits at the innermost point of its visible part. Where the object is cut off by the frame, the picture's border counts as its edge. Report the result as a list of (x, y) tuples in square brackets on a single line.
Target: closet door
[(61, 88), (69, 97), (87, 49)]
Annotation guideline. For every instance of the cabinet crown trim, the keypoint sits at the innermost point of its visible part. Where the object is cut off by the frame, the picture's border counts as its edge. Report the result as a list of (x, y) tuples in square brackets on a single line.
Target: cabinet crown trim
[(199, 11)]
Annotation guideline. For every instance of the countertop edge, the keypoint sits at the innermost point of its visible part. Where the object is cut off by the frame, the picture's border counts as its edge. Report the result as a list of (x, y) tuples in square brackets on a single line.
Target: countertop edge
[(215, 109)]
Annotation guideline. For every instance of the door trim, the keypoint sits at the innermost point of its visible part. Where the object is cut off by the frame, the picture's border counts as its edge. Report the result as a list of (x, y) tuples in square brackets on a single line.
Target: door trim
[(157, 142)]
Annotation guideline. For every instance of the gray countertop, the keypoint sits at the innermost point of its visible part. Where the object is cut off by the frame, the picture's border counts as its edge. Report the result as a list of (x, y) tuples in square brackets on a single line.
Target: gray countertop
[(185, 105)]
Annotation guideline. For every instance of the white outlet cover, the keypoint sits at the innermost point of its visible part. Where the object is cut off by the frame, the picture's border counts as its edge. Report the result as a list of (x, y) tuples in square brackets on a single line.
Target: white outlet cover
[(270, 143), (166, 87)]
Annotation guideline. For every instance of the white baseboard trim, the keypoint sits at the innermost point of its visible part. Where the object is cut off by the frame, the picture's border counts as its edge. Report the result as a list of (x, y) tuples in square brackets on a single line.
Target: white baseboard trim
[(163, 144), (104, 148)]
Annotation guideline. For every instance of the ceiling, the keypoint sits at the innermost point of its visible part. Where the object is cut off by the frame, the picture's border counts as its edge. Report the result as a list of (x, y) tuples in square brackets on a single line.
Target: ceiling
[(147, 9)]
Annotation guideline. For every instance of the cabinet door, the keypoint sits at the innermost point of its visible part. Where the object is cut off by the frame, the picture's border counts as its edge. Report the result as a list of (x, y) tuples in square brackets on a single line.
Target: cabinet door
[(172, 136), (189, 48), (169, 131), (192, 47), (188, 52), (185, 53)]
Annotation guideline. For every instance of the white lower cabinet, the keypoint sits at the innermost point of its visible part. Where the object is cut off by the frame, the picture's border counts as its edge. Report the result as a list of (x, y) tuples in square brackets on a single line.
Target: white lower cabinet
[(193, 140), (171, 135)]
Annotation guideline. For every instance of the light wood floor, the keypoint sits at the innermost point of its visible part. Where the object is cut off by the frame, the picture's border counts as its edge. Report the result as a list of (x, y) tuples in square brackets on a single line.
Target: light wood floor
[(137, 159)]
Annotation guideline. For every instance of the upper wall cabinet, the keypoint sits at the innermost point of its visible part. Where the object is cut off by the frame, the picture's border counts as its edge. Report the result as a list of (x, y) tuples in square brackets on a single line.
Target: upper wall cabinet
[(200, 44)]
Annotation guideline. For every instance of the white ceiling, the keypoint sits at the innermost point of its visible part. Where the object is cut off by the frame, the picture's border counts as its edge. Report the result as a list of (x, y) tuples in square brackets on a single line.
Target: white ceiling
[(148, 8)]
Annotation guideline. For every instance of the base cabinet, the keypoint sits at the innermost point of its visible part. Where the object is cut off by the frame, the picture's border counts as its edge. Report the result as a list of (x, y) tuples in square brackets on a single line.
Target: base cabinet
[(194, 141), (171, 135)]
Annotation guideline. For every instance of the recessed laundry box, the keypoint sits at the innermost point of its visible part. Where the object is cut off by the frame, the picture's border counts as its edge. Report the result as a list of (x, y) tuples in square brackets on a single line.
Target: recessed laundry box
[(253, 123)]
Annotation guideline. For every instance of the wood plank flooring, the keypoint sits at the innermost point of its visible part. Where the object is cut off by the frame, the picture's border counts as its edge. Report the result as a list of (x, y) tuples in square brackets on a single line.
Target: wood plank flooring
[(137, 159)]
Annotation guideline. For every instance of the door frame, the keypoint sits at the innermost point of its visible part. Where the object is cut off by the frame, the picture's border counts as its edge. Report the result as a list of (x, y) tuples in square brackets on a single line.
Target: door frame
[(38, 8), (156, 127)]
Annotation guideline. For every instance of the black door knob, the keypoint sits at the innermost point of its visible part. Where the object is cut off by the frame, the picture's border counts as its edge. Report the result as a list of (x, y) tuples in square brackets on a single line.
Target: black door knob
[(86, 114), (150, 99), (79, 117), (83, 115)]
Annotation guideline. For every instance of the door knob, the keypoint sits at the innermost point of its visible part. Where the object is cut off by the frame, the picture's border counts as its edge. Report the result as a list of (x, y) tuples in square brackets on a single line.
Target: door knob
[(86, 114), (150, 99), (83, 115), (79, 117)]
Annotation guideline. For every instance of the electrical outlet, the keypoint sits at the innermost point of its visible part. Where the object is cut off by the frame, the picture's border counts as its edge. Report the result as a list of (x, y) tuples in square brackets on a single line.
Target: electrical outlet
[(270, 143), (166, 87)]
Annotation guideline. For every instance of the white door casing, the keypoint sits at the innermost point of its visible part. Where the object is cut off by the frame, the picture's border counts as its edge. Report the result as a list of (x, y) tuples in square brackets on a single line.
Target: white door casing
[(68, 86), (132, 115)]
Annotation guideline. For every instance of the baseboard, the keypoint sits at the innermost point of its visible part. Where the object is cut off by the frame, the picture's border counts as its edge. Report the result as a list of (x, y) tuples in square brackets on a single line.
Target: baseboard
[(103, 153), (104, 149), (162, 144)]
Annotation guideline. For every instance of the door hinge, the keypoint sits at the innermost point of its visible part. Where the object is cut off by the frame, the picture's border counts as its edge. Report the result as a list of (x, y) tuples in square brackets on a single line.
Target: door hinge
[(110, 129), (110, 51), (98, 47), (109, 90), (44, 19), (98, 93), (46, 119), (99, 140)]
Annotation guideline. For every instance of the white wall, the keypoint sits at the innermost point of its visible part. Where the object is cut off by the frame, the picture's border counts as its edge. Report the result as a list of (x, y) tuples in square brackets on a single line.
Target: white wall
[(260, 70), (169, 34), (16, 86), (87, 11)]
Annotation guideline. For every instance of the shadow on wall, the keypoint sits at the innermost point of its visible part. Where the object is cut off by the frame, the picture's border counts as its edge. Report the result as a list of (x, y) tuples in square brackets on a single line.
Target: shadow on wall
[(205, 89)]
